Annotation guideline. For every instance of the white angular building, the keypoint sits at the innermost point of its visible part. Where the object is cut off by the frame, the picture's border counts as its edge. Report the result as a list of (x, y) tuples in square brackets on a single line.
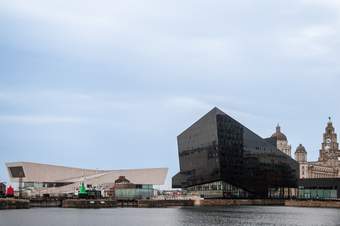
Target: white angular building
[(40, 179)]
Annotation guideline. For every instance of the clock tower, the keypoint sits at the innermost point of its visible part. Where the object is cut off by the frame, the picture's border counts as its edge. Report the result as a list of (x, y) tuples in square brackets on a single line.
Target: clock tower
[(330, 146)]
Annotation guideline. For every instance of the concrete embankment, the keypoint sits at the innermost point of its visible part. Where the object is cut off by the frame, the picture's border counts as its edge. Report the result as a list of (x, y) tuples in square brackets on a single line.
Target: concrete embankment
[(44, 203), (88, 203), (312, 203), (268, 202), (164, 203), (9, 203), (239, 202), (210, 202)]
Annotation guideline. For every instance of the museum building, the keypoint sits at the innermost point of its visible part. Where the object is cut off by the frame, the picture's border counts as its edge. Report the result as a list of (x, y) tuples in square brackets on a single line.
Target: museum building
[(221, 158), (38, 179)]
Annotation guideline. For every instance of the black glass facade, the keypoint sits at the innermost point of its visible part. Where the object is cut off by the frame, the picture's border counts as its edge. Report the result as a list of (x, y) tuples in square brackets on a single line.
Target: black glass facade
[(219, 149)]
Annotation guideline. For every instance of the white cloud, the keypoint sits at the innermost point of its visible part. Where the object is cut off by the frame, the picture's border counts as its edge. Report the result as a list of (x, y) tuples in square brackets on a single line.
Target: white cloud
[(39, 120), (185, 103), (334, 4), (310, 42), (318, 32)]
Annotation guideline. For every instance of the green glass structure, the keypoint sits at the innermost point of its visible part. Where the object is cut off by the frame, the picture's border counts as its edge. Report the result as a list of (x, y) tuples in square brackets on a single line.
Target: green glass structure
[(133, 193), (82, 191), (319, 188), (317, 193)]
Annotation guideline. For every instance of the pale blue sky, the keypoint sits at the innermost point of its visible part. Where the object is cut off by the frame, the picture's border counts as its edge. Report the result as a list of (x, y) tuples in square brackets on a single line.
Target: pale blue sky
[(110, 84)]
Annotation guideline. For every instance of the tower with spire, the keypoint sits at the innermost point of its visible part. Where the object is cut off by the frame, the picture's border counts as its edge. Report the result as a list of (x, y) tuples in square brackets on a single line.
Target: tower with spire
[(328, 164), (330, 146)]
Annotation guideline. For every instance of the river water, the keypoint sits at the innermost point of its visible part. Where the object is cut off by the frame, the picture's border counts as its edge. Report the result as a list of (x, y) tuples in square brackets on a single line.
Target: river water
[(193, 216)]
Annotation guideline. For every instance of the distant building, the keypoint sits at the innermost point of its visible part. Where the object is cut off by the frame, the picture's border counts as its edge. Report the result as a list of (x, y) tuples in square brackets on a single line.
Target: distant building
[(330, 152), (280, 141), (221, 158), (125, 190), (328, 164), (41, 179), (301, 157), (319, 188)]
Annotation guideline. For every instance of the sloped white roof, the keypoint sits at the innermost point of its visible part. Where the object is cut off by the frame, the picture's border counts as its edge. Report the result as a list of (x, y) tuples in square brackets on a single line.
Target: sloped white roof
[(36, 172)]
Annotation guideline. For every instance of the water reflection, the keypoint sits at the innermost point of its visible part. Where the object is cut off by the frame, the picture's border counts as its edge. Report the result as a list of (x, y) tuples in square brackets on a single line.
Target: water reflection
[(252, 215)]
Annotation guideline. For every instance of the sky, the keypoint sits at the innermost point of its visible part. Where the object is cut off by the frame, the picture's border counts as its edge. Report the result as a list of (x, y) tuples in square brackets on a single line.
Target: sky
[(109, 84)]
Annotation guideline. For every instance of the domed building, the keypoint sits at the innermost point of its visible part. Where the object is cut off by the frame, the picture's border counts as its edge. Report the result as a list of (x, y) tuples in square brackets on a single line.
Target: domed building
[(301, 157), (328, 164), (280, 141), (278, 135), (301, 154)]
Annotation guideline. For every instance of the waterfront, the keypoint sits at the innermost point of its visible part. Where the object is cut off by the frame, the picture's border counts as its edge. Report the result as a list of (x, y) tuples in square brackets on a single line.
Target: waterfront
[(190, 216)]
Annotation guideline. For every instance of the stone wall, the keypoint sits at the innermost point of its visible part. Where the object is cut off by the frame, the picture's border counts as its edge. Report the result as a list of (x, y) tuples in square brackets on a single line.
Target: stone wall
[(45, 203), (9, 203), (239, 202), (164, 203), (268, 202), (88, 203), (312, 203)]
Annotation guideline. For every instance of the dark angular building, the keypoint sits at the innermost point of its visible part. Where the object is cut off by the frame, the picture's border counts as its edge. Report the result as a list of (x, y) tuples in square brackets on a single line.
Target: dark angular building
[(221, 158)]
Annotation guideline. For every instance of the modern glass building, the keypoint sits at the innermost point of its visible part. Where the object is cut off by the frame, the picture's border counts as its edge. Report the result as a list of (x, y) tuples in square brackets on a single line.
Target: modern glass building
[(125, 190), (319, 188), (221, 158), (134, 193)]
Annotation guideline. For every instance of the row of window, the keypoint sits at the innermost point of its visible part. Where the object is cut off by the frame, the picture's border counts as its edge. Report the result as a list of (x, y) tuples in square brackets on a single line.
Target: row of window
[(218, 187)]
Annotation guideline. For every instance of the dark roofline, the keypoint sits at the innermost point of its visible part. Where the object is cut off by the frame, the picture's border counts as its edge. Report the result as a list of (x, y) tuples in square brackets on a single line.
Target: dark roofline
[(220, 112)]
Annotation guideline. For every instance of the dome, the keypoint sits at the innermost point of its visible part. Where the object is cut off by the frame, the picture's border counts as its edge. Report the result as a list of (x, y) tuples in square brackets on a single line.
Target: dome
[(278, 135), (301, 149)]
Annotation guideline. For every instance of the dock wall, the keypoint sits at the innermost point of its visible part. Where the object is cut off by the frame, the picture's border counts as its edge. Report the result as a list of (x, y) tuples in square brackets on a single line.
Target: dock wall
[(312, 203), (9, 203), (88, 203), (44, 203), (239, 202), (164, 203)]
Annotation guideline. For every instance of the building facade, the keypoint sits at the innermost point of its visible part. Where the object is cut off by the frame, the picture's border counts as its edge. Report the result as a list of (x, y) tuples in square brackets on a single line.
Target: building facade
[(328, 164), (319, 188), (280, 141), (44, 179), (221, 158), (301, 157), (125, 190)]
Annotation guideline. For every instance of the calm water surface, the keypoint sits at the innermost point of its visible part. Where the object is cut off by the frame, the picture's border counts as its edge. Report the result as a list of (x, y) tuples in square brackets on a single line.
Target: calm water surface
[(252, 215)]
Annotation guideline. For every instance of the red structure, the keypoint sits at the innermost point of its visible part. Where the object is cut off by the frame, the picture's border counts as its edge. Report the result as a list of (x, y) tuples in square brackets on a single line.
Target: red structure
[(10, 191)]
